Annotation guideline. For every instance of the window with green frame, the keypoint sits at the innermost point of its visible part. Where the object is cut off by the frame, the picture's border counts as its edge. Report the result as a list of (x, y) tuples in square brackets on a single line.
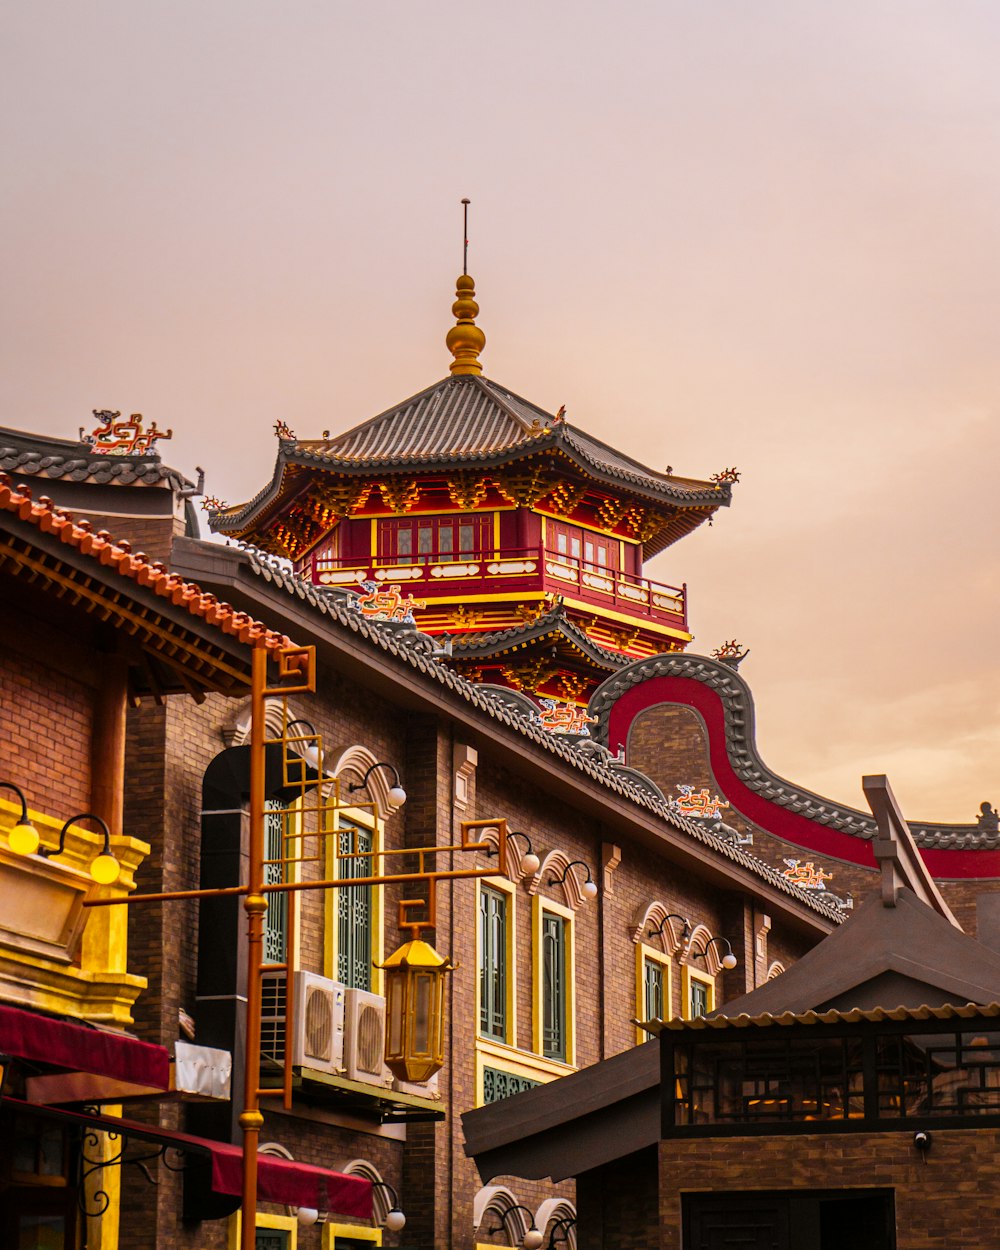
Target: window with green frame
[(553, 986), (354, 908), (276, 916), (492, 963), (653, 989), (697, 998)]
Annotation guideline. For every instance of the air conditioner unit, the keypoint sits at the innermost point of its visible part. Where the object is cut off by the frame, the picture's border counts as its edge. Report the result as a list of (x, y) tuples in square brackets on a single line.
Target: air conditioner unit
[(422, 1089), (319, 1022), (364, 1045)]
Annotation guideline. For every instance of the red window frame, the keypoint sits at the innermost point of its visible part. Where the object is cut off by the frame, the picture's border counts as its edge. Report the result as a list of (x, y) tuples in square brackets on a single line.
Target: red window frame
[(583, 548), (434, 539)]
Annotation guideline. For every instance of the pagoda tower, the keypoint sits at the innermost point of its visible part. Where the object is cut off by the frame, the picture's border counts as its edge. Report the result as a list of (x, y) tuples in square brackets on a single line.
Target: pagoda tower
[(507, 528)]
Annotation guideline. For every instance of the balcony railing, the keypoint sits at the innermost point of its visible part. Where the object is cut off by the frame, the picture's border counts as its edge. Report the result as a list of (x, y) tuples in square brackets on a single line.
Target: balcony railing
[(440, 574)]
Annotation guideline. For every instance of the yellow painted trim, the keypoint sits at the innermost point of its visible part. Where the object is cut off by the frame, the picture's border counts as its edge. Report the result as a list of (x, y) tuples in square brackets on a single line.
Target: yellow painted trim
[(644, 622), (503, 887), (373, 543), (490, 1054), (583, 525), (366, 819), (642, 953), (689, 974), (496, 530), (286, 1222), (360, 1232), (538, 907)]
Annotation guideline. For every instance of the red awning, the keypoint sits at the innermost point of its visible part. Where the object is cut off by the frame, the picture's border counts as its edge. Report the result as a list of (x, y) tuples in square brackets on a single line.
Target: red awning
[(278, 1180), (77, 1048)]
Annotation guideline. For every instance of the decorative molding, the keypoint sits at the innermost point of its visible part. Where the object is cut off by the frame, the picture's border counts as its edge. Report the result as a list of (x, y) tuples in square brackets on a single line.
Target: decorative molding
[(611, 857), (356, 761), (654, 915), (556, 863), (702, 937)]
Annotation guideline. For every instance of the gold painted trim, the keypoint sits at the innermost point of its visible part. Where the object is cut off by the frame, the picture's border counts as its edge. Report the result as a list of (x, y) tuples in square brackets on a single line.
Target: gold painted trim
[(366, 820), (357, 1232), (287, 1223)]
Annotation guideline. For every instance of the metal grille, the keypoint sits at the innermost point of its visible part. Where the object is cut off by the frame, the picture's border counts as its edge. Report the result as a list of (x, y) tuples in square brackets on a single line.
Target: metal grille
[(698, 998), (493, 963), (553, 986), (276, 917), (498, 1084), (354, 910), (272, 1018)]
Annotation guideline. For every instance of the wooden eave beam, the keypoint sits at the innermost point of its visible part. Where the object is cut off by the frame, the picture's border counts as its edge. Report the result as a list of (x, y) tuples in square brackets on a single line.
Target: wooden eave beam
[(158, 630)]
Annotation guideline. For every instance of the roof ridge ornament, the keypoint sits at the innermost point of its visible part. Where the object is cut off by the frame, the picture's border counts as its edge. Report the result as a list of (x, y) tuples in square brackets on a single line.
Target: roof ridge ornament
[(465, 340)]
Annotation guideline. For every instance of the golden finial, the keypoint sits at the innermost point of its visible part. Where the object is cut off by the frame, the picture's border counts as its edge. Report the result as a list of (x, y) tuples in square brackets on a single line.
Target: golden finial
[(465, 339)]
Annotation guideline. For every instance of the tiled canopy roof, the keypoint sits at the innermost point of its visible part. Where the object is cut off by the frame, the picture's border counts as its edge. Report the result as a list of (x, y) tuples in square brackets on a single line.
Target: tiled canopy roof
[(552, 624), (117, 556), (873, 1015)]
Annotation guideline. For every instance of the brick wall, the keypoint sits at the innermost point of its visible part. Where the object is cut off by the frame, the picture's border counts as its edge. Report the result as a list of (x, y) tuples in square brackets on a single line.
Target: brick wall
[(947, 1201)]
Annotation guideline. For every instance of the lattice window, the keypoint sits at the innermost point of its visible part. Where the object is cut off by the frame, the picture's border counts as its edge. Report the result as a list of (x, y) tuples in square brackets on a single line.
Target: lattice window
[(653, 1004), (354, 908), (498, 1084), (493, 963), (553, 986), (276, 916)]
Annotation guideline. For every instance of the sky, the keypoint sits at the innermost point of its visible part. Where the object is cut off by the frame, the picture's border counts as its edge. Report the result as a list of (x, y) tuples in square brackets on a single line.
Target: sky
[(762, 235)]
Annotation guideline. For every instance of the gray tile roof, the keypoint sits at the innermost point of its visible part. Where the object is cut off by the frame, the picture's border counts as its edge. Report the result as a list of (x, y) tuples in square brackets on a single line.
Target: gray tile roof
[(477, 645), (334, 606), (34, 456)]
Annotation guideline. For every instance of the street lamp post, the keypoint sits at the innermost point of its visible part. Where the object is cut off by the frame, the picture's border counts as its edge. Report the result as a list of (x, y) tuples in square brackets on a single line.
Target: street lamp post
[(414, 972)]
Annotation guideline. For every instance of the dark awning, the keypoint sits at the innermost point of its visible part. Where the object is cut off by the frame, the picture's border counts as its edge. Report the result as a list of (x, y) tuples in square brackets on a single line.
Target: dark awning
[(77, 1048), (278, 1180)]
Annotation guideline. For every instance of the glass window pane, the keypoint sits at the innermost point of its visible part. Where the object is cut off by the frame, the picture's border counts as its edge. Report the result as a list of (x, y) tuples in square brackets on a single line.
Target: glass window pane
[(354, 909), (446, 540), (466, 538), (404, 542), (493, 963), (562, 544), (553, 986)]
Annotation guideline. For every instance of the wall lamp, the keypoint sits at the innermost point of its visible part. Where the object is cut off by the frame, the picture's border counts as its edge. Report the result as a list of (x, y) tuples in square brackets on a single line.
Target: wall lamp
[(685, 931), (532, 1238), (395, 1221), (309, 753), (529, 862), (728, 959), (588, 889), (24, 839), (397, 795), (561, 1228)]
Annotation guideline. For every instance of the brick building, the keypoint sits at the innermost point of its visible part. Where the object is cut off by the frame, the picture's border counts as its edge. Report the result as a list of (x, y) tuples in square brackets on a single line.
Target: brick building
[(660, 883), (854, 1100)]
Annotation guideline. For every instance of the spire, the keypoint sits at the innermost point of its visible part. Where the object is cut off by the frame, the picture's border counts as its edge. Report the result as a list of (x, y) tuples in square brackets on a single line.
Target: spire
[(465, 339)]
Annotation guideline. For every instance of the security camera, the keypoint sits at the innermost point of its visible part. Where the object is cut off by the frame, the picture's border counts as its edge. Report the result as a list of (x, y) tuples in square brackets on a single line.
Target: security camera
[(922, 1140)]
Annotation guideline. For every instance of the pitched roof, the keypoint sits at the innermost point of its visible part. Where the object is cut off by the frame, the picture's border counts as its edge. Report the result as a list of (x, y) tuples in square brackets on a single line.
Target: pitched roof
[(554, 624), (471, 420), (909, 942), (115, 557), (857, 1015)]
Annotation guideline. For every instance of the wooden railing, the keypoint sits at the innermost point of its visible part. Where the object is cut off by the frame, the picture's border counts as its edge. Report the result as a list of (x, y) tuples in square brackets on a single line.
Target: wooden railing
[(433, 574)]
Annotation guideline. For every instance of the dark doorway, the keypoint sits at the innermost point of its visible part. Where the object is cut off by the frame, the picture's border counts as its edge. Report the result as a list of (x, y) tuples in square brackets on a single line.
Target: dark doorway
[(848, 1219)]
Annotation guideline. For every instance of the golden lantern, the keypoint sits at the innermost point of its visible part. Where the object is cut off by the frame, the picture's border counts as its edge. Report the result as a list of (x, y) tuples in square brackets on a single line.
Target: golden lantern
[(415, 1003)]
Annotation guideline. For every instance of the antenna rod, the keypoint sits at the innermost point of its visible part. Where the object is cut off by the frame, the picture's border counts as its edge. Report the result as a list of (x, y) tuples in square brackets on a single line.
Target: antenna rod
[(465, 236)]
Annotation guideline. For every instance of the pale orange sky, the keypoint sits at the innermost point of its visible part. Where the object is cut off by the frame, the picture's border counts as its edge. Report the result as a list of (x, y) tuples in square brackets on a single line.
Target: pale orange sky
[(755, 234)]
